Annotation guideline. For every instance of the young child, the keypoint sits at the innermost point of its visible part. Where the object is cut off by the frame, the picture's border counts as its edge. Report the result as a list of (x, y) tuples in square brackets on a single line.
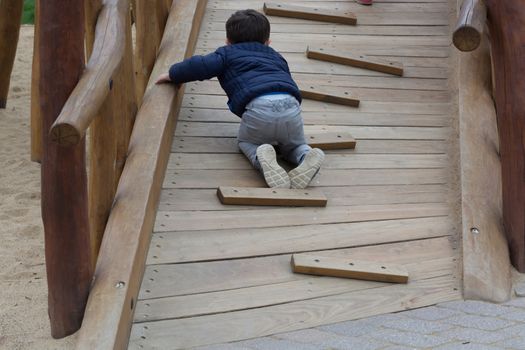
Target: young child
[(262, 92)]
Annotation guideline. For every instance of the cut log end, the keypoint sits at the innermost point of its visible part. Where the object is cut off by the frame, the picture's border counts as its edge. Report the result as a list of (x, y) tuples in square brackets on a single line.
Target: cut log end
[(466, 38), (65, 135)]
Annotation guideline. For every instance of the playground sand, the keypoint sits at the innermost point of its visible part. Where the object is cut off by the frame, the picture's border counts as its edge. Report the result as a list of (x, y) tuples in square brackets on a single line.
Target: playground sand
[(24, 322)]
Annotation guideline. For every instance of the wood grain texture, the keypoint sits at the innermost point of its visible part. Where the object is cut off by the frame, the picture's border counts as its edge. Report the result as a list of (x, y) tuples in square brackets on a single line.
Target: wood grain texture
[(315, 14), (110, 307), (64, 180), (470, 25), (320, 265), (359, 61), (10, 17), (271, 196), (507, 31)]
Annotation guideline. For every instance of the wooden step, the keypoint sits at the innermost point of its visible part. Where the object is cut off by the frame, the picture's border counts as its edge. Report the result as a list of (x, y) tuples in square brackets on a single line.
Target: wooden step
[(357, 60), (349, 268), (313, 94), (314, 14), (331, 140), (271, 196)]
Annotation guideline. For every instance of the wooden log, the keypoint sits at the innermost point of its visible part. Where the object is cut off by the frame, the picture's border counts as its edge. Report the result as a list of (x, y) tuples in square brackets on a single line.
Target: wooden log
[(119, 271), (312, 264), (64, 183), (95, 84), (271, 196), (36, 119), (507, 32), (10, 15), (147, 44), (163, 9), (331, 140), (314, 14), (470, 25), (360, 61), (313, 94), (92, 11)]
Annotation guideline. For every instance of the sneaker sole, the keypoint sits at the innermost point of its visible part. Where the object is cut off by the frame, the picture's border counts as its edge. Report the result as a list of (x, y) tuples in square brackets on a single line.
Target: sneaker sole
[(301, 176), (274, 175)]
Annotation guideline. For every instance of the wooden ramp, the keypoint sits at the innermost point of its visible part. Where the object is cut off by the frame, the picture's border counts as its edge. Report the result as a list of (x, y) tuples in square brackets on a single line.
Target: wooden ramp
[(220, 273)]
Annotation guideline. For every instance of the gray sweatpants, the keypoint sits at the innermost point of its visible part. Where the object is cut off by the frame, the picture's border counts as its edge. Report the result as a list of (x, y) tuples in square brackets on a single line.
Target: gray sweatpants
[(276, 120)]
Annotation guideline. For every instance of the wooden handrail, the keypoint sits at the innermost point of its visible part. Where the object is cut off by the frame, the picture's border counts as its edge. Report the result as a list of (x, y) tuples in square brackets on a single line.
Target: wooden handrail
[(467, 35), (97, 80)]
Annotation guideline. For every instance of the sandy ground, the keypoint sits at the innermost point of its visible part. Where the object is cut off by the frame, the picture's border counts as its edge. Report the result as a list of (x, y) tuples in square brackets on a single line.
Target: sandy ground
[(24, 322)]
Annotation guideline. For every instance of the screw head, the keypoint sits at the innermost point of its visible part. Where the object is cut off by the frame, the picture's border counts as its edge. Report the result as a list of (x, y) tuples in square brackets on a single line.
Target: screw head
[(474, 230), (120, 284)]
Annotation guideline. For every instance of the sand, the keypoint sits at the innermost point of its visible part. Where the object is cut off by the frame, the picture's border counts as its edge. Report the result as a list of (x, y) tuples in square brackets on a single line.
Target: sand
[(24, 323)]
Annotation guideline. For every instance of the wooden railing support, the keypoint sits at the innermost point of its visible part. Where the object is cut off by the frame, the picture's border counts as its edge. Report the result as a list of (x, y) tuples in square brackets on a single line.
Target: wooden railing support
[(507, 33), (10, 15), (467, 35), (36, 119), (64, 183)]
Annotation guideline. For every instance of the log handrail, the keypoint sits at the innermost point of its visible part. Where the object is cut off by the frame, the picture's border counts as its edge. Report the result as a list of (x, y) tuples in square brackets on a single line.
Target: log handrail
[(471, 21), (97, 81)]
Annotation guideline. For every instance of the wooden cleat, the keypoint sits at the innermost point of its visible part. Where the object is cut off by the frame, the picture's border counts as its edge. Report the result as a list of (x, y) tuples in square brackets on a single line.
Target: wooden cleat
[(311, 13), (271, 196), (331, 140), (312, 94)]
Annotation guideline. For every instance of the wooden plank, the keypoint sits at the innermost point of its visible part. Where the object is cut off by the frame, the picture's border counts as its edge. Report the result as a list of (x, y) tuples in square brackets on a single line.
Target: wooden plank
[(205, 199), (186, 333), (119, 270), (271, 294), (246, 272), (10, 16), (235, 243), (314, 14), (36, 118), (360, 61), (326, 177), (322, 265), (486, 264), (271, 196), (329, 141), (312, 94)]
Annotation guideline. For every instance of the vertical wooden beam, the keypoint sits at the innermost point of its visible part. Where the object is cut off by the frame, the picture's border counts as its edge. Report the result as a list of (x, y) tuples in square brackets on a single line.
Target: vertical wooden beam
[(507, 32), (92, 9), (36, 119), (471, 22), (64, 190), (10, 16), (163, 9), (147, 43)]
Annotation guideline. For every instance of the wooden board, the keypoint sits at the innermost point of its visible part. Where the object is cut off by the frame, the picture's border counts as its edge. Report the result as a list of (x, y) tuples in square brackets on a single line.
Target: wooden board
[(329, 141), (312, 94), (360, 61), (315, 14), (271, 196), (314, 264)]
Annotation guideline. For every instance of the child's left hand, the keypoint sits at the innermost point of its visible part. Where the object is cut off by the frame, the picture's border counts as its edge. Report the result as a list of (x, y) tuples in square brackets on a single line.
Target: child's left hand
[(163, 78)]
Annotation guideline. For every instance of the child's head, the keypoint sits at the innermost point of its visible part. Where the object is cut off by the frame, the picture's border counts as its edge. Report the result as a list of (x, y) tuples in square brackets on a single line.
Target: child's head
[(247, 25)]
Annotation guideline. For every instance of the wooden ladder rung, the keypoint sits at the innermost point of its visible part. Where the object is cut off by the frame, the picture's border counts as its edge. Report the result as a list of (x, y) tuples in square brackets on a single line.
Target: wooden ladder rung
[(331, 140), (311, 13), (360, 61), (271, 196), (348, 268), (312, 94)]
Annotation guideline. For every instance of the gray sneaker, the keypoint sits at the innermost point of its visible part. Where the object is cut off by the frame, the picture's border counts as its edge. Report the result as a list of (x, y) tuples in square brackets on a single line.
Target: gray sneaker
[(275, 176), (301, 176)]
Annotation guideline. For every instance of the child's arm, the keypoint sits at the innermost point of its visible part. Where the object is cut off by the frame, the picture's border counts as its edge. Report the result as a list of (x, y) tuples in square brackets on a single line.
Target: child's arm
[(194, 68)]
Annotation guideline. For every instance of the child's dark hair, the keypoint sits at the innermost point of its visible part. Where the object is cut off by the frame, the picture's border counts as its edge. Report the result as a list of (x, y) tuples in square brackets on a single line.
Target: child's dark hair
[(247, 25)]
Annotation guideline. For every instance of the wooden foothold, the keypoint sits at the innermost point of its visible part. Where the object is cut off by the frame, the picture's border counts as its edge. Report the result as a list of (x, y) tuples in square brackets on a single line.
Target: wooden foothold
[(331, 140), (271, 196), (312, 94), (314, 14), (348, 268), (359, 61)]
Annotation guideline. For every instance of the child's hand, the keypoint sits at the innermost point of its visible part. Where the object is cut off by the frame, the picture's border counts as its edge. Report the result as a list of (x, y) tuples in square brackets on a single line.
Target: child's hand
[(163, 78)]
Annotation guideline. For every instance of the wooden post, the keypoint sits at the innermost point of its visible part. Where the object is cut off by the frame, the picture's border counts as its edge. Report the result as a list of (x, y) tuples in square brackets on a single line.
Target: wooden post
[(148, 39), (64, 190), (467, 35), (507, 32), (36, 119), (10, 16)]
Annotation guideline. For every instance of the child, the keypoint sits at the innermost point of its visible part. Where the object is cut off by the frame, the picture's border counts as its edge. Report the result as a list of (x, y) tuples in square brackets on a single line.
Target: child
[(262, 92)]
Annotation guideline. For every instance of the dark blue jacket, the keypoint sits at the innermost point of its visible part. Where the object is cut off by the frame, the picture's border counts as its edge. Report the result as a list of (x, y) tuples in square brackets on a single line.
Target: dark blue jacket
[(245, 71)]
